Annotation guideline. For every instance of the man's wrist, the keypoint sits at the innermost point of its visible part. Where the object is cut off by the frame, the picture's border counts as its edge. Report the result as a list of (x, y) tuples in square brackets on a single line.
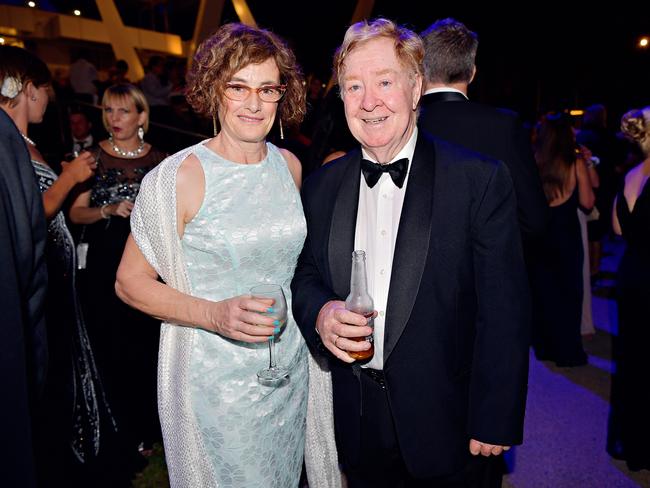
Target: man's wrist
[(323, 309)]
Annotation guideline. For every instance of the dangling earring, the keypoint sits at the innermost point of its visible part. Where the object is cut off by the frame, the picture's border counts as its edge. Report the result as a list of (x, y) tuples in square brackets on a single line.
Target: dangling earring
[(214, 125), (281, 131), (141, 134)]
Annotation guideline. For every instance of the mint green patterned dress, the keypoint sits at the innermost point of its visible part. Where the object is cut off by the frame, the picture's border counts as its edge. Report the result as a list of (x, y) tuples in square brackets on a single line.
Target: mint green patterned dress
[(249, 230)]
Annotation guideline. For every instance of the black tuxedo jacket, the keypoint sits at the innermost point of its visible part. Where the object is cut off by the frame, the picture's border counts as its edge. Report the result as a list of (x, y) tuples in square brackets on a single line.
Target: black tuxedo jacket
[(456, 330), (497, 134), (23, 285)]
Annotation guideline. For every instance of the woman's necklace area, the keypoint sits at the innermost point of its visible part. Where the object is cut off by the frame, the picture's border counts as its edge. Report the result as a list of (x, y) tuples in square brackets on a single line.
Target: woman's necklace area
[(28, 140), (123, 153)]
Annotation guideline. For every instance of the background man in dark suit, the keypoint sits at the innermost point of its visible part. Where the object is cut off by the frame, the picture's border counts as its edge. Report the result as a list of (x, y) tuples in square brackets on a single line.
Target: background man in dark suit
[(81, 132), (23, 283), (446, 112), (439, 227)]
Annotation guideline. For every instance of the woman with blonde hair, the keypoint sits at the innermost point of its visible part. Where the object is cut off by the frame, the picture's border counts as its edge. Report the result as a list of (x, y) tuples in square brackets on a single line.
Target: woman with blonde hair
[(629, 423), (127, 340)]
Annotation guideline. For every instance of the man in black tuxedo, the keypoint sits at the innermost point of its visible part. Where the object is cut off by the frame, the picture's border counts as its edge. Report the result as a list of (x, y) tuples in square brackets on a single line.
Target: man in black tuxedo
[(445, 268), (446, 112), (23, 284)]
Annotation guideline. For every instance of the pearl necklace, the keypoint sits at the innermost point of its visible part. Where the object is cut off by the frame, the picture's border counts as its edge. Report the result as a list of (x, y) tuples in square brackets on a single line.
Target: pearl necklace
[(126, 154), (28, 140)]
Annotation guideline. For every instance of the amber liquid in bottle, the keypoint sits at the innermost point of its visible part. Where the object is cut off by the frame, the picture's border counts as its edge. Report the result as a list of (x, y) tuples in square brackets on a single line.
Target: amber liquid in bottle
[(360, 301), (361, 355)]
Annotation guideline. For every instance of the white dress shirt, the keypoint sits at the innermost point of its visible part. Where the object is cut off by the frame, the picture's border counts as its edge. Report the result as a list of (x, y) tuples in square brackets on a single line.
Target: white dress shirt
[(378, 216), (80, 145)]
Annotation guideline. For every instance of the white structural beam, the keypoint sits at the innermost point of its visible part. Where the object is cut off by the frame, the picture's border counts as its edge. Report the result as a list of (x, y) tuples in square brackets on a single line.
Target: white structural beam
[(123, 46)]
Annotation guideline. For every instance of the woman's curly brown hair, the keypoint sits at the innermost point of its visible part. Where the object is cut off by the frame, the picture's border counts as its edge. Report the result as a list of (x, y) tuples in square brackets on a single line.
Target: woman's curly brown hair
[(233, 47)]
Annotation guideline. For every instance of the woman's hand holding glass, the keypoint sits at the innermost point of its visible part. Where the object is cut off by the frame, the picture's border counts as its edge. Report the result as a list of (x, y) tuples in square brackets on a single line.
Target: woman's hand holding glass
[(242, 318), (274, 374), (80, 168)]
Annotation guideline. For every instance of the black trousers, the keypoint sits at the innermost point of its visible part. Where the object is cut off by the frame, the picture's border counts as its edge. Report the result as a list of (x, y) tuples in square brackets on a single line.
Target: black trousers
[(381, 464)]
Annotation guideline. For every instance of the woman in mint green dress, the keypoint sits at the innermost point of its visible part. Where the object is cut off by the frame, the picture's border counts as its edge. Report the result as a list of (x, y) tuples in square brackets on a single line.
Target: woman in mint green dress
[(212, 221)]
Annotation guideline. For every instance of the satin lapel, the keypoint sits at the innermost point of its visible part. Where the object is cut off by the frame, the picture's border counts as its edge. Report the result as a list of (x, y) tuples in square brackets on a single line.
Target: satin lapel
[(342, 227), (412, 245)]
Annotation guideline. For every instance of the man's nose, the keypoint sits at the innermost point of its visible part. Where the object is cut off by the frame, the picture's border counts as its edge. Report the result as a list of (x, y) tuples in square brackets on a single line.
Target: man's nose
[(370, 100)]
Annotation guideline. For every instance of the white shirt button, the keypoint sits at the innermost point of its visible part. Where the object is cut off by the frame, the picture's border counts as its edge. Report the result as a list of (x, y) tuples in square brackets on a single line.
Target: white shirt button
[(382, 271), (381, 314), (383, 232)]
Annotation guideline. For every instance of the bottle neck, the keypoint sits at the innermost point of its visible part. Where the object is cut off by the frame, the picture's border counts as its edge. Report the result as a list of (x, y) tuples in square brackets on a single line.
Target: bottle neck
[(359, 300), (358, 280)]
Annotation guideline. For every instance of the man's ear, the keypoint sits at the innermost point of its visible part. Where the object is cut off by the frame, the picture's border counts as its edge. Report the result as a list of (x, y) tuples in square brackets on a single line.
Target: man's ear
[(473, 74), (418, 83)]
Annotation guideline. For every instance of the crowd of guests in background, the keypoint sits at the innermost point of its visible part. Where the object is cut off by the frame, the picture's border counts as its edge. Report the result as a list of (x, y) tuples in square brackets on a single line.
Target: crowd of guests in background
[(94, 416), (97, 416)]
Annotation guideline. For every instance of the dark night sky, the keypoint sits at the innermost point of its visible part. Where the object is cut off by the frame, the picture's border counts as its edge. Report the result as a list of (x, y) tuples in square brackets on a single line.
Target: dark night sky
[(537, 56)]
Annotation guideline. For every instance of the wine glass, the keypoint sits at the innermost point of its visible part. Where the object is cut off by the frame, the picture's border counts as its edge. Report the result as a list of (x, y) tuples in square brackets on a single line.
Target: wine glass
[(274, 373)]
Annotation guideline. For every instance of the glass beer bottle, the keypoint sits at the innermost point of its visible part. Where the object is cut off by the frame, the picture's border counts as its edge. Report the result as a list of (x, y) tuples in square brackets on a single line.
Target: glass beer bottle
[(360, 301)]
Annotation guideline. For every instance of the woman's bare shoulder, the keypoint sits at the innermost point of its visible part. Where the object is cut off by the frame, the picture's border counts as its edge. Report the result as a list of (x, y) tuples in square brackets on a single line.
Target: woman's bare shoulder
[(293, 163)]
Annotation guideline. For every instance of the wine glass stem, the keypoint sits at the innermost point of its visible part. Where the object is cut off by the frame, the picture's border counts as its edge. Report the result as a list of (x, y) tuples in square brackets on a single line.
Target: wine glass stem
[(272, 353)]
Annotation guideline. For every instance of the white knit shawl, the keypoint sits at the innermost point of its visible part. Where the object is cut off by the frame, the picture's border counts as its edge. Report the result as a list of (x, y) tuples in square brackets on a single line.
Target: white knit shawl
[(153, 226)]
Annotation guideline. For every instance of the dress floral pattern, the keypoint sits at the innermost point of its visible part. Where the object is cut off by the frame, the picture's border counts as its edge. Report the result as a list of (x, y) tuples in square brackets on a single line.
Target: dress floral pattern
[(249, 230)]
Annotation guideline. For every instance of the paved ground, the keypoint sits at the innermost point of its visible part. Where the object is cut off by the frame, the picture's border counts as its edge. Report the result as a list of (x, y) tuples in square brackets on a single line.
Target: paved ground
[(567, 408)]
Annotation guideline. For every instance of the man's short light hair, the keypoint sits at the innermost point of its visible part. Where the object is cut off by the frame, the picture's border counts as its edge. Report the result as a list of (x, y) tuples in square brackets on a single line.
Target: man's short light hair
[(450, 52), (408, 45)]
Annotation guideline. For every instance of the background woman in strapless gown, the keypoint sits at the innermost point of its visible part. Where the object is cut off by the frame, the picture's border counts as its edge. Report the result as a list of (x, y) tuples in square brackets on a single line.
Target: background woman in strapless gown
[(73, 408), (629, 422), (556, 281), (213, 221)]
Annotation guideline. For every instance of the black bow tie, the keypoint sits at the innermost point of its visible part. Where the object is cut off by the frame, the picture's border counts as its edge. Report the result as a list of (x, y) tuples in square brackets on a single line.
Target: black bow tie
[(82, 144), (397, 171)]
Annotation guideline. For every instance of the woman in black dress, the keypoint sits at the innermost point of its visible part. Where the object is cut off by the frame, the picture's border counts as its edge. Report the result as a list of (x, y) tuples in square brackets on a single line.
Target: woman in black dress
[(127, 340), (629, 426), (557, 273), (72, 411)]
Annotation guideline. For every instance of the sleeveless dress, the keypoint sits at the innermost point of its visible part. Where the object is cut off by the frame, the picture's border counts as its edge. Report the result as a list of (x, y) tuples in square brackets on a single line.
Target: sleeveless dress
[(249, 230), (629, 420), (557, 288), (73, 406)]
